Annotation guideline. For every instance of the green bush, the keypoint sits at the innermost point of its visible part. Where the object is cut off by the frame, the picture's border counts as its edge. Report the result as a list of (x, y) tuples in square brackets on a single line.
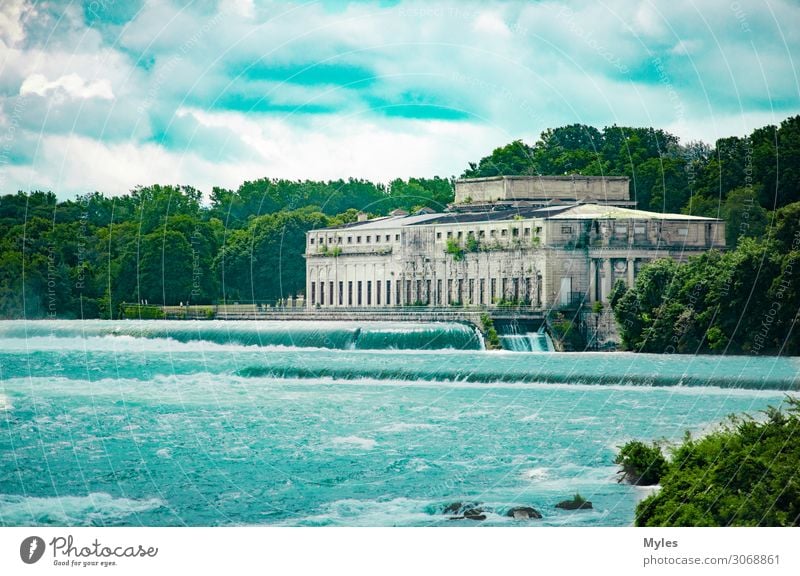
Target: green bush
[(454, 249), (642, 465), (745, 474), (492, 337), (142, 312)]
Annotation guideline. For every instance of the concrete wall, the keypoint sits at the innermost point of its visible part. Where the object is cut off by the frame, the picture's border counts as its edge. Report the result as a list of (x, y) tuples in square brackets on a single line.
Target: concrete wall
[(541, 188)]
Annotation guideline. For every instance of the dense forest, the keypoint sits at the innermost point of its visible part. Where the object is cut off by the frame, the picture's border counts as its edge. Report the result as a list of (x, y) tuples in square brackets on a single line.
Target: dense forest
[(167, 244)]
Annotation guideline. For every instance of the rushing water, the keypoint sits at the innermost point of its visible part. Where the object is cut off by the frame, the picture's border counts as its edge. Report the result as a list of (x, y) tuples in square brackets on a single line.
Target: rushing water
[(226, 423)]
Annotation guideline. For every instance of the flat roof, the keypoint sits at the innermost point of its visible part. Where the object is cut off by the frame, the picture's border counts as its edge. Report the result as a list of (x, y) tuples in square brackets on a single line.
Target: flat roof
[(556, 212), (566, 178)]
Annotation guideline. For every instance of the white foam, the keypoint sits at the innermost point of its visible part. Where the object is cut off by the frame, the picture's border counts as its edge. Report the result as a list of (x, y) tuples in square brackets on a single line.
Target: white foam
[(537, 473), (70, 510), (5, 404), (358, 441), (406, 426)]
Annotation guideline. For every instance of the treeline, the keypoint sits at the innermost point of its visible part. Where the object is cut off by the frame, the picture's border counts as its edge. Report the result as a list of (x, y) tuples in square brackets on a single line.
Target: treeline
[(82, 258), (739, 179)]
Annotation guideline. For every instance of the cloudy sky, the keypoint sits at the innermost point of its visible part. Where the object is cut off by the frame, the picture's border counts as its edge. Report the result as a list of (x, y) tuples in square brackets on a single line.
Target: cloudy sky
[(107, 94)]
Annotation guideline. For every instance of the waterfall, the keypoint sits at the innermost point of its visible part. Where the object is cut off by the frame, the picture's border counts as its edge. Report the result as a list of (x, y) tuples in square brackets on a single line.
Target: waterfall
[(515, 340)]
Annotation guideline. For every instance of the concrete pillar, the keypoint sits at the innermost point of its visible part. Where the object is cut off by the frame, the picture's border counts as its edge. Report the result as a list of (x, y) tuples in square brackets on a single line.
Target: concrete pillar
[(631, 267), (592, 280), (607, 279)]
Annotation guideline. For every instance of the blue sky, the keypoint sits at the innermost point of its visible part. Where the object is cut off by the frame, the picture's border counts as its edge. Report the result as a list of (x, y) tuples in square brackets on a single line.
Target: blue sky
[(107, 94)]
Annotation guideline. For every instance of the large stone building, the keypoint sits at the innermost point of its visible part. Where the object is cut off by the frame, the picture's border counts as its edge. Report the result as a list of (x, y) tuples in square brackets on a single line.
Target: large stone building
[(543, 241)]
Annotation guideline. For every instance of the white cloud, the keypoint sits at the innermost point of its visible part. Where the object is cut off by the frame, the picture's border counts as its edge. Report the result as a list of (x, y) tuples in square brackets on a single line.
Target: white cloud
[(11, 28), (71, 85), (492, 24)]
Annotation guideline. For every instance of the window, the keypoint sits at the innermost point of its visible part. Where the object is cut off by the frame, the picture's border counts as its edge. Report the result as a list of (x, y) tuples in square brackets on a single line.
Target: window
[(359, 291), (397, 292), (330, 294), (538, 230), (330, 239), (438, 235), (683, 231), (481, 233), (460, 234), (311, 240), (369, 239), (378, 292), (350, 293), (527, 232), (388, 293), (369, 292), (438, 292), (493, 233), (358, 239), (493, 292), (515, 232), (339, 240), (322, 293), (566, 229), (313, 293), (341, 293), (638, 229), (482, 297), (349, 239), (620, 229), (397, 237), (449, 234), (503, 232), (388, 237)]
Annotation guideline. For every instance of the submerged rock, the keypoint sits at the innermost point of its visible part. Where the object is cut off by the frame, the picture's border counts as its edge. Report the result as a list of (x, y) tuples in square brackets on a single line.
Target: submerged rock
[(575, 504), (524, 513), (465, 511)]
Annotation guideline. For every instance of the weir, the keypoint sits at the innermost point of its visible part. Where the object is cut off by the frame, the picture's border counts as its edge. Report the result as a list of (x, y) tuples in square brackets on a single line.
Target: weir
[(521, 328)]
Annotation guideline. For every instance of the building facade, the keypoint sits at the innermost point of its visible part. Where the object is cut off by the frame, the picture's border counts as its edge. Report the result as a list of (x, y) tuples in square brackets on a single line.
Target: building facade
[(536, 251)]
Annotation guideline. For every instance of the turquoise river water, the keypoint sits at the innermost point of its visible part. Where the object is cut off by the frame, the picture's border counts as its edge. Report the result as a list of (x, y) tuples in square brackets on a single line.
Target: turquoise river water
[(313, 424)]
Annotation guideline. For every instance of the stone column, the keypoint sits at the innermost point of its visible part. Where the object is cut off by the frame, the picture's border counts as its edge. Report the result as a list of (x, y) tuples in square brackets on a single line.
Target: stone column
[(631, 268), (607, 279)]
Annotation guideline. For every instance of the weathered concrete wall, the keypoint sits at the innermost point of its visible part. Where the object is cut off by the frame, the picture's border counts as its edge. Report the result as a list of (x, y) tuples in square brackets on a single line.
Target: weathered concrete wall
[(541, 188)]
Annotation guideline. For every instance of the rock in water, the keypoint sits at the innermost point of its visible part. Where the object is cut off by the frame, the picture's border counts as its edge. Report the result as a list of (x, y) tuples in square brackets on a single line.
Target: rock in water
[(465, 511), (524, 513), (574, 505), (474, 514)]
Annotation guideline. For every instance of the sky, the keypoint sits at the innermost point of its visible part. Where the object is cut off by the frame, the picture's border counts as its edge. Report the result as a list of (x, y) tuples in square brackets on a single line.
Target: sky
[(110, 94)]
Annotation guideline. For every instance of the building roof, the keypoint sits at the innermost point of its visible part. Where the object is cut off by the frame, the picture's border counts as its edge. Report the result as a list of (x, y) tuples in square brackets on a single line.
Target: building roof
[(600, 212), (567, 177), (556, 212)]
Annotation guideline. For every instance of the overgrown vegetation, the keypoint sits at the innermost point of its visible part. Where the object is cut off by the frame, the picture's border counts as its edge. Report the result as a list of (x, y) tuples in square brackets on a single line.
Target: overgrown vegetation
[(745, 474), (642, 464), (454, 249), (744, 301), (492, 337), (566, 333)]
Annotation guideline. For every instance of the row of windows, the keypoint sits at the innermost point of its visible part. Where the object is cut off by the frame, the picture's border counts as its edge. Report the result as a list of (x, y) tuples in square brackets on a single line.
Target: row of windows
[(526, 231), (368, 239), (360, 293)]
